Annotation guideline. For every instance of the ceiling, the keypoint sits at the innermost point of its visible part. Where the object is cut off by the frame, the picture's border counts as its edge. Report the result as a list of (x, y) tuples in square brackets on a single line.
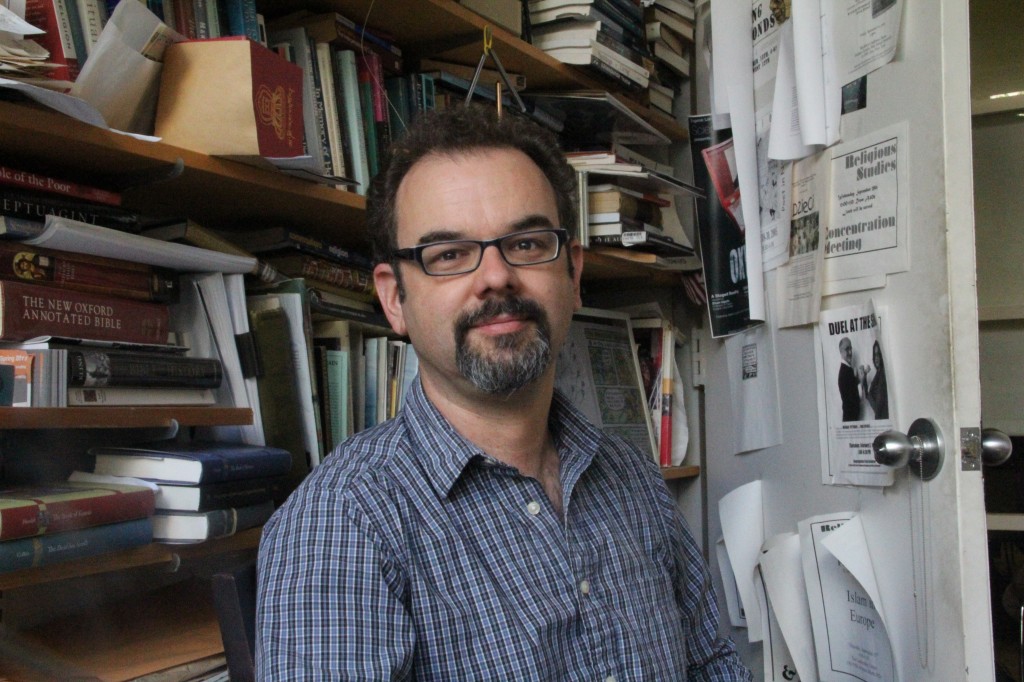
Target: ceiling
[(997, 54)]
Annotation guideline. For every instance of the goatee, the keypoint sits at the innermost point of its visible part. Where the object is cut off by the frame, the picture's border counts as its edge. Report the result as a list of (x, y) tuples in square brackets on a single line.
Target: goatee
[(518, 358)]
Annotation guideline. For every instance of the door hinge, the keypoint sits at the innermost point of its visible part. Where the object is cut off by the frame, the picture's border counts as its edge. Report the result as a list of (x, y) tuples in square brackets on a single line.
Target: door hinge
[(698, 364)]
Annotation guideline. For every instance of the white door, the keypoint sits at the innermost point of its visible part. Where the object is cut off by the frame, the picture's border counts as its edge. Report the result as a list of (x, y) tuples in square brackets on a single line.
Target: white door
[(938, 601)]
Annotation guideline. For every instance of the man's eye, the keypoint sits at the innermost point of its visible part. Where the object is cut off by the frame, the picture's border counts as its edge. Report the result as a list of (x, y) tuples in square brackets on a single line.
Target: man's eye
[(447, 254), (526, 244)]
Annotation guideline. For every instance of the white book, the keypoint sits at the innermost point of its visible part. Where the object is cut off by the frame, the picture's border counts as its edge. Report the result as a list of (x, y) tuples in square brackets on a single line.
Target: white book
[(325, 61), (292, 306), (349, 92), (119, 396)]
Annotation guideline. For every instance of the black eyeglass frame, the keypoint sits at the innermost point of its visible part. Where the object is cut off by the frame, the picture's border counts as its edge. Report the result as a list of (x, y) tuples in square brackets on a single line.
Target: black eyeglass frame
[(415, 253)]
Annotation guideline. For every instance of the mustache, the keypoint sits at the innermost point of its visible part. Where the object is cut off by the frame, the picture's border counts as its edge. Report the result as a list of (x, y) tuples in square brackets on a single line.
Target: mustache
[(519, 307)]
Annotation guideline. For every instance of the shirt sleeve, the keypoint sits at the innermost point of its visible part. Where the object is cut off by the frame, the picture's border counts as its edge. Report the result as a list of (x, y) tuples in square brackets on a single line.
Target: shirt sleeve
[(330, 598), (710, 658)]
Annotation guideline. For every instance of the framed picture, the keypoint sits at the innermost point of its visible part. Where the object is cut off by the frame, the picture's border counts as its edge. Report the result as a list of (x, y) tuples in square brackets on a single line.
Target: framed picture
[(599, 372)]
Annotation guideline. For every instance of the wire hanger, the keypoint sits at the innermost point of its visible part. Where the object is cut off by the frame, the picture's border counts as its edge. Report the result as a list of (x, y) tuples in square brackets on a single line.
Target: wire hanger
[(490, 52)]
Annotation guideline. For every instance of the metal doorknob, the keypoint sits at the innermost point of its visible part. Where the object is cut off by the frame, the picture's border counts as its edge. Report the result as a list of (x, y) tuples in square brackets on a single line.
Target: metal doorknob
[(920, 450), (996, 447)]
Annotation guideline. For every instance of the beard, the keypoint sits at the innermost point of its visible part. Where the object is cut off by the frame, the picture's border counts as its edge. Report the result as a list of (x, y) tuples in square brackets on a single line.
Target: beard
[(518, 359)]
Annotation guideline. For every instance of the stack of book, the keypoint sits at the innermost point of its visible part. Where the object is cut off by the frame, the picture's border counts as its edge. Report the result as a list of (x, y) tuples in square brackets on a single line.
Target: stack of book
[(96, 331), (669, 28), (207, 489), (47, 524), (70, 30), (605, 36)]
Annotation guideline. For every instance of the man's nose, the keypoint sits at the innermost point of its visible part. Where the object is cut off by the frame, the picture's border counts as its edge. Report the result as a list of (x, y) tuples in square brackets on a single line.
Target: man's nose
[(494, 271)]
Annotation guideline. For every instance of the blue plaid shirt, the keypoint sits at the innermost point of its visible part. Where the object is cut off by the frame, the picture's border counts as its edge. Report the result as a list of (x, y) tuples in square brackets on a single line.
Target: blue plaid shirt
[(409, 554)]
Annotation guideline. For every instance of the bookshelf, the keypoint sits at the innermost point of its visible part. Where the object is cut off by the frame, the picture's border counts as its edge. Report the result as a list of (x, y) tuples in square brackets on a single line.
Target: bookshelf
[(227, 194)]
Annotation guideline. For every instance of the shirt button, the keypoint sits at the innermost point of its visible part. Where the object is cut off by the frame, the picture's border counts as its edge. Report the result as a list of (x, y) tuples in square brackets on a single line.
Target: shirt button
[(610, 678), (585, 586), (533, 508)]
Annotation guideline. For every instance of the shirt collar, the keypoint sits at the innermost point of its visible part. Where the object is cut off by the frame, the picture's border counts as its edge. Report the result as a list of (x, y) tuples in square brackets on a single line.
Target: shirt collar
[(444, 453)]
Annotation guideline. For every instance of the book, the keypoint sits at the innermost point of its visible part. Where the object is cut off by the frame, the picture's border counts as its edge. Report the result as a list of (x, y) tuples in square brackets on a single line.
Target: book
[(617, 224), (334, 339), (350, 278), (51, 16), (190, 527), (648, 259), (16, 387), (36, 205), (302, 56), (655, 339), (88, 273), (29, 510), (643, 240), (345, 34), (92, 15), (682, 26), (52, 548), (20, 228), (271, 240), (279, 398), (554, 40), (102, 367), (323, 121), (683, 8), (606, 60), (672, 59), (242, 21), (208, 496), (31, 310), (16, 177), (125, 396), (194, 462), (188, 231), (659, 31), (364, 78), (348, 88)]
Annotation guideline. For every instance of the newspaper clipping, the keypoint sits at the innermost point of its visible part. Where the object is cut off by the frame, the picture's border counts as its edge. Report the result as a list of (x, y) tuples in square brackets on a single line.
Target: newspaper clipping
[(855, 402), (799, 282)]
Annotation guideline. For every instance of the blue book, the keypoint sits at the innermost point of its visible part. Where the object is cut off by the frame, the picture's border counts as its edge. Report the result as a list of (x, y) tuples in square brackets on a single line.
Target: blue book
[(195, 462), (43, 550)]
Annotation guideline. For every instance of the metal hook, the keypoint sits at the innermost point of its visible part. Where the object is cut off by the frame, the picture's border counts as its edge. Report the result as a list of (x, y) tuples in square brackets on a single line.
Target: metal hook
[(489, 51)]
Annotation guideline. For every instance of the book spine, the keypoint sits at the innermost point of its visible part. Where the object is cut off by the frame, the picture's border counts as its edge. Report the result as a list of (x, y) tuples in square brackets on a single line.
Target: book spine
[(119, 396), (44, 183), (99, 507), (389, 61), (369, 122), (30, 310), (20, 228), (223, 523), (91, 18), (93, 368), (297, 241), (667, 360), (83, 272), (21, 203), (21, 521), (319, 109), (43, 550), (51, 17), (353, 279), (242, 19), (231, 495), (202, 21), (346, 63)]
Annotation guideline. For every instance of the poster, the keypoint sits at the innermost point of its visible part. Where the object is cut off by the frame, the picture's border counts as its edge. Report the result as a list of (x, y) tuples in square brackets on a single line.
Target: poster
[(800, 280), (722, 239), (754, 388), (868, 232), (855, 398), (850, 637)]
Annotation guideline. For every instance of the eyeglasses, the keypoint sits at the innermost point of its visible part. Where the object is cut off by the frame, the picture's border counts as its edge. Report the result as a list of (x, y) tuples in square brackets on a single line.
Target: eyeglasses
[(458, 257)]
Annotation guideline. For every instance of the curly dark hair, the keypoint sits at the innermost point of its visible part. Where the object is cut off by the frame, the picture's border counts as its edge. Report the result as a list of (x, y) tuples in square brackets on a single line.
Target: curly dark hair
[(456, 131)]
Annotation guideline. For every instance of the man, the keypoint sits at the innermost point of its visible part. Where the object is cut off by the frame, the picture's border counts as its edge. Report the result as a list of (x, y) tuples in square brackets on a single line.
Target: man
[(849, 385), (488, 532)]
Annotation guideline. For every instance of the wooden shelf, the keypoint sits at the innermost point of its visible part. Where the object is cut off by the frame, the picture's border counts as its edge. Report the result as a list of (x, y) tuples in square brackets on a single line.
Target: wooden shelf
[(445, 29), (148, 555), (215, 192), (119, 417), (599, 267), (675, 473)]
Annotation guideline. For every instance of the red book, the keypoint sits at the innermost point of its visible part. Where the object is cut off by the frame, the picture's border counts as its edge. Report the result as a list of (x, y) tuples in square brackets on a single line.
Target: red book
[(52, 16), (45, 183), (83, 272), (31, 310), (36, 510)]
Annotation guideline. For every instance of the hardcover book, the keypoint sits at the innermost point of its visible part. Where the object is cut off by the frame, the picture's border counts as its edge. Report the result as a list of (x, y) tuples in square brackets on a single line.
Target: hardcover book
[(351, 278), (52, 548), (35, 205), (134, 396), (52, 17), (34, 510), (15, 177), (283, 239), (204, 497), (195, 462), (181, 527), (28, 311), (83, 272), (101, 367)]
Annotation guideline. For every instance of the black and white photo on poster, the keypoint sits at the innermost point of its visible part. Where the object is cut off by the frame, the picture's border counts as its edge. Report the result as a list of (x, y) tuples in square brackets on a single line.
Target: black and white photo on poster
[(855, 398)]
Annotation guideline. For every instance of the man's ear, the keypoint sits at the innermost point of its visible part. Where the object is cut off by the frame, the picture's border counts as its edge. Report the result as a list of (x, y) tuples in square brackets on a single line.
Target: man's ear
[(385, 281)]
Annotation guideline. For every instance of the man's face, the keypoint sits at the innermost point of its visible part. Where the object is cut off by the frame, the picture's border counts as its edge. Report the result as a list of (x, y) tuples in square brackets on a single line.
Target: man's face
[(493, 330), (846, 351)]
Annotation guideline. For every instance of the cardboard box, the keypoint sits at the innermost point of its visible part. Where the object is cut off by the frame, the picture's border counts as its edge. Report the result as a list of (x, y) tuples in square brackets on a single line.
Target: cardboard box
[(230, 96), (505, 13)]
